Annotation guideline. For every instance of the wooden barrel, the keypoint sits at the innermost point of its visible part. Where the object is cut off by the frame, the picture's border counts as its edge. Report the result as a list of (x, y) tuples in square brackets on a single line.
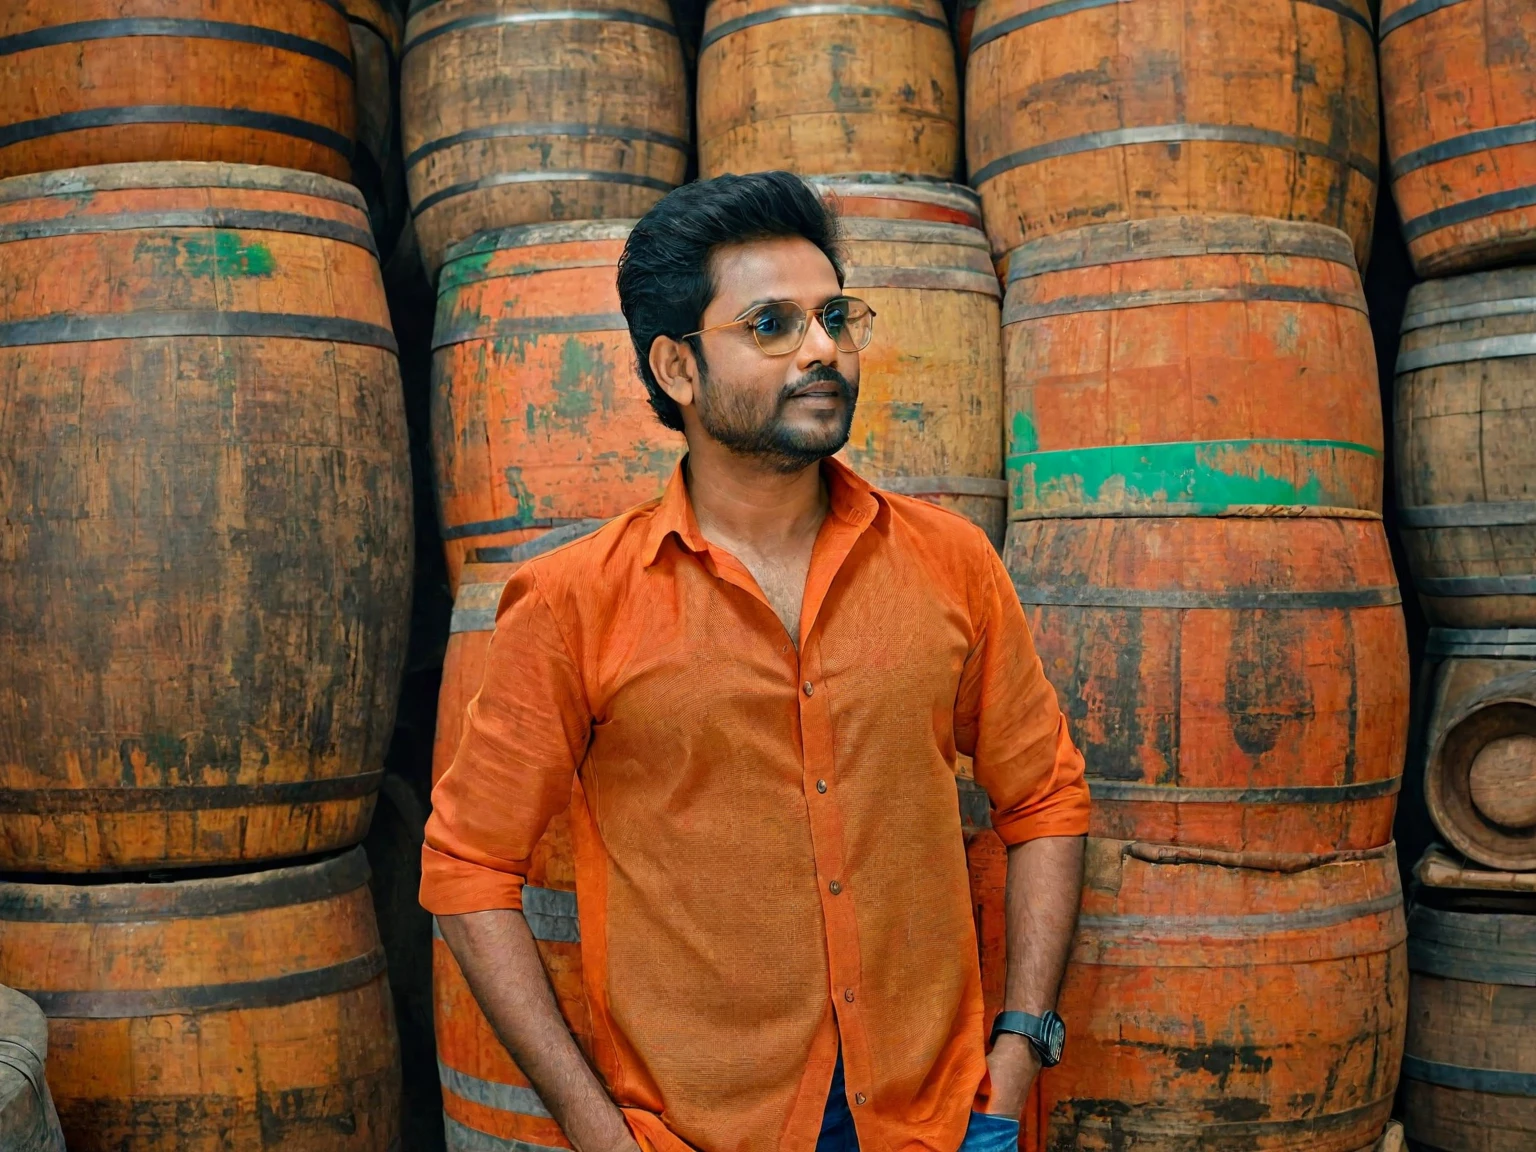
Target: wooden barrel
[(1236, 683), (378, 168), (112, 81), (522, 111), (1190, 366), (1229, 1009), (825, 88), (251, 1006), (1466, 448), (1459, 97), (539, 418), (28, 1120), (1480, 775), (1469, 1072), (929, 418), (206, 510), (1092, 111)]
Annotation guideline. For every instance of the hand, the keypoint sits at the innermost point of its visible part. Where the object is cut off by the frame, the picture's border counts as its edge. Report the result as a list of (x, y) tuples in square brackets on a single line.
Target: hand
[(1013, 1065)]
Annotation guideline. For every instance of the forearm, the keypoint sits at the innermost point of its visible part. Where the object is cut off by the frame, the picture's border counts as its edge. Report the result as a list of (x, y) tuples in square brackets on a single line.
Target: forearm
[(1045, 879), (500, 960)]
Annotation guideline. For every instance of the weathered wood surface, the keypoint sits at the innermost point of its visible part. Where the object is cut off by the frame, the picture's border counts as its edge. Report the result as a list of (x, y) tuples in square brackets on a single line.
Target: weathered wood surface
[(930, 413), (1469, 1073), (1090, 113), (539, 417), (818, 90), (522, 111), (1439, 869), (1236, 683), (1229, 1009), (378, 167), (113, 81), (1480, 774), (234, 1014), (205, 517), (1466, 447), (28, 1120), (1190, 366), (1459, 96)]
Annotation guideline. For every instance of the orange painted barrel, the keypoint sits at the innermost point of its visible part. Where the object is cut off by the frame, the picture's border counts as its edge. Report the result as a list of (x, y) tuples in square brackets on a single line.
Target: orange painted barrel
[(930, 413), (377, 165), (539, 417), (245, 1011), (1094, 111), (1466, 448), (207, 554), (523, 111), (1235, 683), (1230, 1009), (1459, 97), (825, 88), (1190, 366), (113, 81)]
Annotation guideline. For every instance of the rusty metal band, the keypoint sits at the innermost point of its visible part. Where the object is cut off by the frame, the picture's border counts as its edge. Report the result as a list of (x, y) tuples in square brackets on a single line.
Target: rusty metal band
[(1247, 927), (915, 232), (83, 30), (559, 15), (1411, 13), (1185, 508), (69, 329), (1311, 794), (929, 279), (908, 189), (1489, 643), (542, 176), (273, 992), (491, 1094), (1126, 301), (1068, 7), (175, 114), (1467, 351), (473, 328), (1464, 145), (550, 912), (1092, 596), (1476, 310), (983, 486), (84, 183), (238, 219), (1495, 1081), (1173, 134), (1469, 210), (517, 131), (183, 899), (1437, 586), (453, 277), (183, 797), (383, 36), (460, 1137), (1508, 513), (472, 620), (564, 533), (504, 524), (793, 11), (528, 235)]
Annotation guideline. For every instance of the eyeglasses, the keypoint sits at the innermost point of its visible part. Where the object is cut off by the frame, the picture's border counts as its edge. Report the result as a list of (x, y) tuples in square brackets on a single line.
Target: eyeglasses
[(779, 327)]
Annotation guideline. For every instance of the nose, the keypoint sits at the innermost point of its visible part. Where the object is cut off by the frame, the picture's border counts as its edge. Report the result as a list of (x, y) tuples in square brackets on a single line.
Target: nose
[(818, 348)]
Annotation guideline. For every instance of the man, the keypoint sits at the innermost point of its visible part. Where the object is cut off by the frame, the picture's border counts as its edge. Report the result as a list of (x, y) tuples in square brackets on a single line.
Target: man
[(752, 694)]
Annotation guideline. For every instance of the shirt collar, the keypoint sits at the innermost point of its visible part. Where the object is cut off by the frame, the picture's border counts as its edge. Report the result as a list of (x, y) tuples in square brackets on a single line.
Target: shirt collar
[(853, 500)]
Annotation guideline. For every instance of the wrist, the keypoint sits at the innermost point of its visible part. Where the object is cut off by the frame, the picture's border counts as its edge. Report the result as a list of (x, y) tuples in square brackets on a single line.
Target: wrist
[(1012, 1066)]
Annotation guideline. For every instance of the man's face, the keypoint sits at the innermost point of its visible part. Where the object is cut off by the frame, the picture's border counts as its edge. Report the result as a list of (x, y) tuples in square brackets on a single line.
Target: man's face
[(788, 411)]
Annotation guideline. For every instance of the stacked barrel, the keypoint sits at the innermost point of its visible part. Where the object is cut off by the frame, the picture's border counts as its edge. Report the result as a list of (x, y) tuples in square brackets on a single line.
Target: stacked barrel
[(1179, 197), (1460, 99), (206, 542)]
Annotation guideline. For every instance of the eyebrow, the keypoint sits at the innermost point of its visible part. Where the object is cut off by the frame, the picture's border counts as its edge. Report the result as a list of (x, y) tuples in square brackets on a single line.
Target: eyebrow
[(742, 315)]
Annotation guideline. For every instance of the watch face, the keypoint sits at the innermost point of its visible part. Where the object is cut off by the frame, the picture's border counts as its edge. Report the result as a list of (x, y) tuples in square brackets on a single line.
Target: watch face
[(1055, 1037)]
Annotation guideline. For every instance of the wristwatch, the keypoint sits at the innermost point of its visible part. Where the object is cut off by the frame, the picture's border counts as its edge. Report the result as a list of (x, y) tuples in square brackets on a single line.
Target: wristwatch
[(1047, 1034)]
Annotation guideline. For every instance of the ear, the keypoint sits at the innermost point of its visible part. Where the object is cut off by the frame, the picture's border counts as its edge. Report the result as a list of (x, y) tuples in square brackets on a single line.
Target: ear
[(676, 368)]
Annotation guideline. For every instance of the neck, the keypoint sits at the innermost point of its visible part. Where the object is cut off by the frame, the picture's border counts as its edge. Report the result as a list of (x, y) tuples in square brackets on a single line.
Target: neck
[(739, 501)]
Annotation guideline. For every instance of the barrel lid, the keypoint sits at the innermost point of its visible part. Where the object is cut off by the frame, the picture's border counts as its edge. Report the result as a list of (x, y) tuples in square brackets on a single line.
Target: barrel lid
[(96, 903), (1173, 236), (178, 174), (1496, 643), (528, 235), (1506, 292), (891, 186)]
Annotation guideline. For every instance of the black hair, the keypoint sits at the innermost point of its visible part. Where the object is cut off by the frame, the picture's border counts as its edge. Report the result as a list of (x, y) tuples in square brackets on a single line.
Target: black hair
[(665, 282)]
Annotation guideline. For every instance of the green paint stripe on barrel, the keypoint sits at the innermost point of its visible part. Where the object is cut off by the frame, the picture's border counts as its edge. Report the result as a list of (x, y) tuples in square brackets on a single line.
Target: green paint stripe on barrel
[(1209, 474)]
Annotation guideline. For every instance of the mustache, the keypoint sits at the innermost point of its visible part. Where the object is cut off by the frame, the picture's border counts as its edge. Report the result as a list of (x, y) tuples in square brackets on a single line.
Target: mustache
[(821, 374)]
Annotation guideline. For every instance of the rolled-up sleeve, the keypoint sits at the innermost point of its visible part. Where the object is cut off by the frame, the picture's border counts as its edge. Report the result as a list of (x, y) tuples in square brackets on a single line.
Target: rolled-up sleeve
[(525, 733), (1008, 720)]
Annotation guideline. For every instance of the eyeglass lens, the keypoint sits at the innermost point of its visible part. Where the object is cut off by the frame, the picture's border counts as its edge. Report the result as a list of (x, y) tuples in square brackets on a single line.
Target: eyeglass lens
[(780, 328)]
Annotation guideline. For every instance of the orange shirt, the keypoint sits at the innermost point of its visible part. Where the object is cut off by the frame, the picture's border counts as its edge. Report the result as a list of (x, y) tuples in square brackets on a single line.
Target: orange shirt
[(768, 844)]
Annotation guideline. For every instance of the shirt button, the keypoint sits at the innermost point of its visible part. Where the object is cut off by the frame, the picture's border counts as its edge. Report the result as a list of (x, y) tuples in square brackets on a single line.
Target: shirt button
[(858, 1097), (808, 688), (848, 995), (834, 887), (821, 785)]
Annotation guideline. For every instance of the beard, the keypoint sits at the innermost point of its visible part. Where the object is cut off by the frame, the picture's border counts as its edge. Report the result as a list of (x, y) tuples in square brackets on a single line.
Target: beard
[(734, 420)]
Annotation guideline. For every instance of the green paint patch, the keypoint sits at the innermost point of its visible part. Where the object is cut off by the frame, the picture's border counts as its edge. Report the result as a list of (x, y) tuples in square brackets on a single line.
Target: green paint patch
[(909, 414), (205, 255), (1199, 477), (465, 269), (1023, 436), (522, 495)]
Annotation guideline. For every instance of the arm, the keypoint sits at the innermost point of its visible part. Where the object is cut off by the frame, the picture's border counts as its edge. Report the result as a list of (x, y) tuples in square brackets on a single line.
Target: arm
[(501, 963), (1045, 877)]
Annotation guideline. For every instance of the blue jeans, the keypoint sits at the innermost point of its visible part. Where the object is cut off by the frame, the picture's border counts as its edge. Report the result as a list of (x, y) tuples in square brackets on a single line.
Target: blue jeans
[(985, 1133)]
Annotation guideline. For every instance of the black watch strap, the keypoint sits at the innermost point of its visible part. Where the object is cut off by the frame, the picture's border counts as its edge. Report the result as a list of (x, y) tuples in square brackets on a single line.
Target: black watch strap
[(1044, 1033)]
